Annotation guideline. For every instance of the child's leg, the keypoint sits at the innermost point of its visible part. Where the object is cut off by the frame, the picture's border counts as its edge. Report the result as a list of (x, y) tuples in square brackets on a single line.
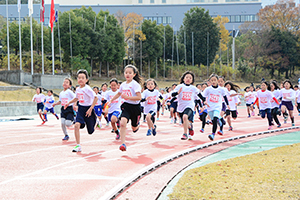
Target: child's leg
[(269, 116), (248, 110), (215, 124), (274, 115), (63, 126), (185, 119), (123, 124), (77, 133), (291, 113), (229, 120), (149, 121), (172, 112), (45, 115), (41, 114), (203, 119), (113, 122)]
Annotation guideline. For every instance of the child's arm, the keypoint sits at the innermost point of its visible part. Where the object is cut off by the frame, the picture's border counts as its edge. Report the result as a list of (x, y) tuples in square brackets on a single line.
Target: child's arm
[(89, 111), (70, 102), (114, 98), (138, 97), (57, 103)]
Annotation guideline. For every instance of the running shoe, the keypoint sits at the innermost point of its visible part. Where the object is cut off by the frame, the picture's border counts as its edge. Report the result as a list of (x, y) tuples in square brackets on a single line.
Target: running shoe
[(249, 116), (279, 125), (107, 124), (77, 148), (220, 132), (202, 130), (149, 132), (66, 138), (230, 128), (270, 127), (253, 113), (293, 124), (117, 136), (190, 137), (210, 122), (137, 129), (175, 120), (211, 137), (123, 147), (43, 122), (57, 117), (180, 123), (98, 125), (112, 131), (184, 137), (191, 130), (154, 131), (285, 117), (157, 119), (145, 121), (171, 121), (162, 113)]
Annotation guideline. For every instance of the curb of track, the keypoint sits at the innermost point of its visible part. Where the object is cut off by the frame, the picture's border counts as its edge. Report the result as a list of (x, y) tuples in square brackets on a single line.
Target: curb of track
[(113, 193)]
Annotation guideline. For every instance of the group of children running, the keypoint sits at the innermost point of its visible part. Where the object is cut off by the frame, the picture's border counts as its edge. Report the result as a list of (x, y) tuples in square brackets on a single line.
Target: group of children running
[(216, 100)]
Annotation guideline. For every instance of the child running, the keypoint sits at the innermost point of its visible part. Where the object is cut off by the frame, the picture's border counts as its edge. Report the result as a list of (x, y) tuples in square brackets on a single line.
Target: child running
[(66, 115), (114, 109), (39, 98), (49, 100), (233, 101), (98, 106), (264, 97), (274, 106), (185, 93), (87, 100), (130, 91), (213, 95), (150, 97), (288, 95), (249, 102)]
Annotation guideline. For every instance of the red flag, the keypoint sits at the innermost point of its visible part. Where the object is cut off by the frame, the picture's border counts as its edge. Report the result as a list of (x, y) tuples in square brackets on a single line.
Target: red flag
[(52, 15), (42, 12)]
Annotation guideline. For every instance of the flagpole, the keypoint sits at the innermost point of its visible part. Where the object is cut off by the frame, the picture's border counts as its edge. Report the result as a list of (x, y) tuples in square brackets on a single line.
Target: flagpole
[(20, 38), (59, 44), (42, 30), (52, 51), (7, 27), (31, 44), (164, 52)]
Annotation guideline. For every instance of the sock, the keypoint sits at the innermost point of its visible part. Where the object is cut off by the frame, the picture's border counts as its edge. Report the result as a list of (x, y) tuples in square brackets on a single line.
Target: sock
[(215, 124), (292, 118)]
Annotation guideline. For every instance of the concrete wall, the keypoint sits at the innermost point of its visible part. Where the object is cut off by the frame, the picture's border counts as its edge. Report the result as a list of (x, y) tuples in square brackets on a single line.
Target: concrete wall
[(9, 109)]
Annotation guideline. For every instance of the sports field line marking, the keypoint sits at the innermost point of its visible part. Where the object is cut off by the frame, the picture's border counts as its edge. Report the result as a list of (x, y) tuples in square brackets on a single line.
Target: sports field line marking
[(71, 161)]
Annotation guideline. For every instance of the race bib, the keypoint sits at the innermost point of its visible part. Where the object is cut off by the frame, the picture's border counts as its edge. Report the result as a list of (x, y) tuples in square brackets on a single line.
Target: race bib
[(229, 98), (187, 96), (151, 100), (38, 100), (64, 101), (286, 94), (115, 101), (80, 98), (127, 92), (272, 101), (214, 98), (264, 100)]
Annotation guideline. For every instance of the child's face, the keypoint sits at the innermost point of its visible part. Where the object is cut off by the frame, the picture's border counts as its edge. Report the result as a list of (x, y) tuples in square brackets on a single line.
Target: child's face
[(113, 86), (188, 79), (272, 86), (263, 86), (96, 90), (247, 90), (38, 90), (204, 86), (66, 84), (251, 89), (199, 87), (49, 93), (213, 81), (287, 85), (119, 85), (150, 85), (104, 88), (82, 80), (221, 82), (209, 82), (257, 89), (296, 88), (129, 74), (173, 87), (162, 92), (228, 87)]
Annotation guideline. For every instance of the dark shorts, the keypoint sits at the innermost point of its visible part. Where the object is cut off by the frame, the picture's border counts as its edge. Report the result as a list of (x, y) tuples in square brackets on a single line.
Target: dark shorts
[(288, 105), (174, 105), (152, 113), (248, 104), (232, 112), (189, 112), (131, 112), (51, 110), (67, 113), (90, 121), (264, 112), (115, 113), (197, 102), (98, 110), (158, 105), (224, 107), (39, 106)]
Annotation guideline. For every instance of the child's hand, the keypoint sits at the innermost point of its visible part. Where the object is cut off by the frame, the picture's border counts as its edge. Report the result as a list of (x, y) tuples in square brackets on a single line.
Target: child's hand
[(75, 108), (180, 90), (228, 107), (66, 105), (89, 112), (124, 96)]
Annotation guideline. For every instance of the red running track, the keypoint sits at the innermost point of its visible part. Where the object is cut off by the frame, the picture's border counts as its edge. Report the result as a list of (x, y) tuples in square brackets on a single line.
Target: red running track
[(36, 164)]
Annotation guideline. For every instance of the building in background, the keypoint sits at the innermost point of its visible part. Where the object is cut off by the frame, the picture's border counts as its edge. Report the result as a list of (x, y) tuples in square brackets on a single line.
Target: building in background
[(162, 11)]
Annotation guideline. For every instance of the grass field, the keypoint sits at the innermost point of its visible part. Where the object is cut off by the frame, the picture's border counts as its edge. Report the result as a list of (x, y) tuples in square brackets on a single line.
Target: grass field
[(27, 94), (272, 174)]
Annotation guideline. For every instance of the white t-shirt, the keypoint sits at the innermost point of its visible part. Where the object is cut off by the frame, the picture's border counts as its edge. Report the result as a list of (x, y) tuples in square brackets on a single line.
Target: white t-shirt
[(85, 95), (276, 94), (232, 101), (248, 98), (49, 99), (99, 101), (103, 94), (130, 90), (116, 104), (66, 96), (186, 98), (38, 98), (290, 94), (176, 100), (151, 103), (252, 97), (214, 98), (298, 96), (264, 99)]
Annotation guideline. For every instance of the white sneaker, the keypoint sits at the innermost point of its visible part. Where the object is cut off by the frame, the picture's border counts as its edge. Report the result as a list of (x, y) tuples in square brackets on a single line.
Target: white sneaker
[(171, 121), (107, 124), (77, 148), (190, 137)]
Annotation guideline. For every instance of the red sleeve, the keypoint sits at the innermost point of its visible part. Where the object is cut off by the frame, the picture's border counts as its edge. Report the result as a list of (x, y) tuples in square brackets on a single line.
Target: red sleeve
[(275, 100), (256, 100)]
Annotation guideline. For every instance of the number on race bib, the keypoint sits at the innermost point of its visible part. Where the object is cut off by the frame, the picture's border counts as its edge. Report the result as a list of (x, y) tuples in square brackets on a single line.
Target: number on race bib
[(187, 96), (115, 101), (80, 98), (214, 98), (127, 93), (64, 101), (264, 100), (151, 100)]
